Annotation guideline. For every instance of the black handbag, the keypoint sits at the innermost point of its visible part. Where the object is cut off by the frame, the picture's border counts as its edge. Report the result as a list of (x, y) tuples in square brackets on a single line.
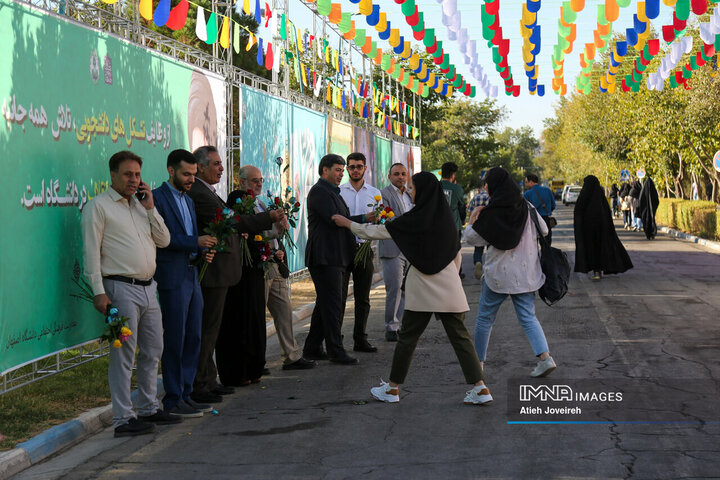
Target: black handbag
[(556, 267)]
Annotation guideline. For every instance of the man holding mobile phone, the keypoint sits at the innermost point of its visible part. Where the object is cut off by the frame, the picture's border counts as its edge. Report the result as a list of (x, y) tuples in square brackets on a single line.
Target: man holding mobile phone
[(121, 230)]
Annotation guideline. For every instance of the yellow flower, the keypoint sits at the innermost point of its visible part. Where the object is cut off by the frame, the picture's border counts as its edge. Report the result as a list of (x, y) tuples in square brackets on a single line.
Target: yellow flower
[(390, 214), (258, 238), (117, 343), (377, 198), (125, 331)]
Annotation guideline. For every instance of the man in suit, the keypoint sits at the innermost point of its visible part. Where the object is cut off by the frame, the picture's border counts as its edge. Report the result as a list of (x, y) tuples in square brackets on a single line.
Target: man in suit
[(329, 252), (224, 272), (178, 287), (277, 290), (394, 264)]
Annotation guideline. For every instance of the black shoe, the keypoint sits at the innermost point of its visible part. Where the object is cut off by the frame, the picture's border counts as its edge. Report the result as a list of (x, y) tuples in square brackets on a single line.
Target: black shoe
[(321, 355), (161, 417), (222, 390), (134, 427), (206, 397), (364, 346), (301, 364), (344, 359), (391, 336), (266, 371)]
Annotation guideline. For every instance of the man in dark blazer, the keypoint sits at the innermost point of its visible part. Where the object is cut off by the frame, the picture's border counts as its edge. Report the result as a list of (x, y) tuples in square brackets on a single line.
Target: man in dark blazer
[(329, 252), (179, 292), (394, 264), (224, 272)]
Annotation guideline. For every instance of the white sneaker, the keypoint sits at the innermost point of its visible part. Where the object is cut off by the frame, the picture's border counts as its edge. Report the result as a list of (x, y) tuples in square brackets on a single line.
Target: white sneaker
[(479, 395), (544, 368), (385, 393)]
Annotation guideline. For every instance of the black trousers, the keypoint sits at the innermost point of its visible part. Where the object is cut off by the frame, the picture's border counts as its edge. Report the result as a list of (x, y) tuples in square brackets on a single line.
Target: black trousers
[(326, 320), (549, 235), (212, 315), (240, 347), (362, 276)]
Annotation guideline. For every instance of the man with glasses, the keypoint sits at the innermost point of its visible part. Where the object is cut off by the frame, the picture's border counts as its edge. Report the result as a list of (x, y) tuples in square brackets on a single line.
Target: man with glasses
[(360, 198)]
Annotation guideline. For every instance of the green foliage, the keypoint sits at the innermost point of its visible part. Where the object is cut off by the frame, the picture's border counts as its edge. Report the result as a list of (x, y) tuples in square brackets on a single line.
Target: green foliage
[(672, 134)]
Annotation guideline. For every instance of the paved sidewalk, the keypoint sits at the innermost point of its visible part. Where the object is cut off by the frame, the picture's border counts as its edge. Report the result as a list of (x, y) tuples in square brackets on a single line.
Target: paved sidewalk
[(657, 322)]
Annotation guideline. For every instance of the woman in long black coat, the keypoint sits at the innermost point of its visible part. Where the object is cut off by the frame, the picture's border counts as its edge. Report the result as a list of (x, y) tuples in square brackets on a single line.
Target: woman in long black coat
[(597, 246), (649, 202)]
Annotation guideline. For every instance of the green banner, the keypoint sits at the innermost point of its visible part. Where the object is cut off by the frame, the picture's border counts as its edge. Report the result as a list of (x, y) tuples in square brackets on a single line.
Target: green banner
[(383, 160), (71, 97)]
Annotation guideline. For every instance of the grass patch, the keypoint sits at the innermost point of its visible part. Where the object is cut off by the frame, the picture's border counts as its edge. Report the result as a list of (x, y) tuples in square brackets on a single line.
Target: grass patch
[(32, 409)]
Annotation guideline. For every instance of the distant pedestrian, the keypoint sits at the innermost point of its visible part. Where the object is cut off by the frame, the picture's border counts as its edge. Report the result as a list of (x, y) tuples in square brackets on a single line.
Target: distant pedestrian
[(597, 246), (635, 190), (614, 199), (542, 199), (649, 202), (512, 264), (624, 195), (479, 200), (455, 196), (427, 237)]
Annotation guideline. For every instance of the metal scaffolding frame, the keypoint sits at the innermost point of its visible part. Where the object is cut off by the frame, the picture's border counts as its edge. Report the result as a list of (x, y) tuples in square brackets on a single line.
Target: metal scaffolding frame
[(122, 20)]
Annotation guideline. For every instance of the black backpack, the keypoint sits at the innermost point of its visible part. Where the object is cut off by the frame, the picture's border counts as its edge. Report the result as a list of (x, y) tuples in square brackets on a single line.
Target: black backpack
[(555, 265)]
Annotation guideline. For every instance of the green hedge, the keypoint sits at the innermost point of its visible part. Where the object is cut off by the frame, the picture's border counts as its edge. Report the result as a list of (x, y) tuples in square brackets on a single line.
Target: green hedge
[(696, 217)]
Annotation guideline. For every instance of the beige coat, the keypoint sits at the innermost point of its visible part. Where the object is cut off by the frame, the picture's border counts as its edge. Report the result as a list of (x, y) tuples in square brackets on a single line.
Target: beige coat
[(441, 292)]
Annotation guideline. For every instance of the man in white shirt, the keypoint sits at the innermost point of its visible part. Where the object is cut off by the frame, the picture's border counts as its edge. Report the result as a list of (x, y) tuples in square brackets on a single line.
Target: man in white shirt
[(361, 199), (394, 263), (121, 230)]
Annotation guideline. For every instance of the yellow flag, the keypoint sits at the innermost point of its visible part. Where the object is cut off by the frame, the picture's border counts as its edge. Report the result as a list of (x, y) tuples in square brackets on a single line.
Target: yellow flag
[(251, 42), (145, 8), (225, 33), (246, 7)]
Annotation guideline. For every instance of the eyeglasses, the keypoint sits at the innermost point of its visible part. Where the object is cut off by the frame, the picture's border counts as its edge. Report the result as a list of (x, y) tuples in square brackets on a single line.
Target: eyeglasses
[(355, 167), (257, 181)]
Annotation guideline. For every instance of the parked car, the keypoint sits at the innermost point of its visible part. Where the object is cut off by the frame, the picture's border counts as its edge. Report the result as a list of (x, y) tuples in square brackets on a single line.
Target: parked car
[(565, 190), (572, 194)]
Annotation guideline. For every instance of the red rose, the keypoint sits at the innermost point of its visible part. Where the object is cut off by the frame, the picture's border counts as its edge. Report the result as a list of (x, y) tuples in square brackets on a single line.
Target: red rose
[(297, 204), (278, 201), (388, 209)]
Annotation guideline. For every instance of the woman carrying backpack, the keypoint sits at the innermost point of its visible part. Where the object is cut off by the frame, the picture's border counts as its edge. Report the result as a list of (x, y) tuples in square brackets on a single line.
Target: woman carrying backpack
[(512, 264)]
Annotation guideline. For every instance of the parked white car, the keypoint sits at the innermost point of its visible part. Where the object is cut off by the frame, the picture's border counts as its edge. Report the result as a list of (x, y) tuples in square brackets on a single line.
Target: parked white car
[(571, 195)]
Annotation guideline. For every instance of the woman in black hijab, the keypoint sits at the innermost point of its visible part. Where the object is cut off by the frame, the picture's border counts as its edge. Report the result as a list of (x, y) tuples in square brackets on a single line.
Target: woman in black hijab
[(597, 246), (427, 237), (512, 264), (635, 205), (614, 199), (649, 202)]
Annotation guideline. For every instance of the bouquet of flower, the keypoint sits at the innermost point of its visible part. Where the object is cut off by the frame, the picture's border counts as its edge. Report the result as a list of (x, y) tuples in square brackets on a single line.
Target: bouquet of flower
[(266, 253), (245, 205), (290, 206), (222, 226), (116, 331), (382, 215)]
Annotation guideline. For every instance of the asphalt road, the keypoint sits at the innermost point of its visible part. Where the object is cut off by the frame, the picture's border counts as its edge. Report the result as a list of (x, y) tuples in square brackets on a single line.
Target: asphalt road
[(651, 333)]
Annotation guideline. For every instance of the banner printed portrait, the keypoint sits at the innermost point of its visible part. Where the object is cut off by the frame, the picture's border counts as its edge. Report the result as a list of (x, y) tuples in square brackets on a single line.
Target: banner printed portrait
[(401, 154), (265, 123), (364, 142), (307, 147), (63, 115), (339, 140), (383, 161), (417, 163)]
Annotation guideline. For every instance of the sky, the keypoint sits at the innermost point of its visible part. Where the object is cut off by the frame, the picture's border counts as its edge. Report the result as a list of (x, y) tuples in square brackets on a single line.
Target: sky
[(525, 110)]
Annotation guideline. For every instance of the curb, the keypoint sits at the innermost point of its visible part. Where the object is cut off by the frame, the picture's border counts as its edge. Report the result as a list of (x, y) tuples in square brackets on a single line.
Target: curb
[(690, 238), (72, 432)]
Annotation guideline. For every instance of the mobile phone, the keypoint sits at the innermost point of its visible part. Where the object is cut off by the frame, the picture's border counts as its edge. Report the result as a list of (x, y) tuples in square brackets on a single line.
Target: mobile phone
[(140, 195)]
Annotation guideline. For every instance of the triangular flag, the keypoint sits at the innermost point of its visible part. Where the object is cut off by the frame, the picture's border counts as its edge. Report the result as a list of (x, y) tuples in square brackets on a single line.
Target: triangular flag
[(225, 33), (178, 16), (201, 25), (258, 17), (251, 41), (145, 9), (276, 63), (269, 57), (162, 12), (259, 58), (268, 14), (212, 32), (236, 38), (246, 7), (283, 27)]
